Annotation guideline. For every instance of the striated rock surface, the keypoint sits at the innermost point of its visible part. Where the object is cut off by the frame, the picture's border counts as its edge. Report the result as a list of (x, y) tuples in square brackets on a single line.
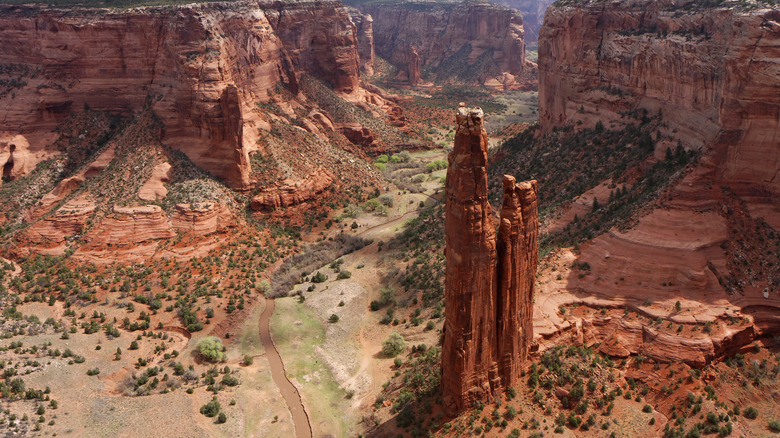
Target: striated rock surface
[(489, 292), (293, 192), (364, 26), (202, 219), (201, 68), (132, 225), (712, 73), (471, 41), (517, 252), (533, 15)]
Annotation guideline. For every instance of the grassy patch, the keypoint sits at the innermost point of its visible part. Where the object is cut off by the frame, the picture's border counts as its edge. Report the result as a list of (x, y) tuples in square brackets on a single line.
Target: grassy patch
[(296, 332)]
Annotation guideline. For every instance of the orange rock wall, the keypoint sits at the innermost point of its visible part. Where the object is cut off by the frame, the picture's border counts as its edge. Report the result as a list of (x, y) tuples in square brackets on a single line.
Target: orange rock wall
[(712, 73), (202, 68), (430, 33)]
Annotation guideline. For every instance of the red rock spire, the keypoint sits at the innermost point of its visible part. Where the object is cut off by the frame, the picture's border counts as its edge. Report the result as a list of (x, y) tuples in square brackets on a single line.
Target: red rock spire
[(488, 306)]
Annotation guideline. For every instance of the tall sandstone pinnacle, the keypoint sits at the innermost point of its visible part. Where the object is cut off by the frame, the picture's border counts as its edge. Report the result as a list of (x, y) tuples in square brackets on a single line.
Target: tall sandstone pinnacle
[(489, 281)]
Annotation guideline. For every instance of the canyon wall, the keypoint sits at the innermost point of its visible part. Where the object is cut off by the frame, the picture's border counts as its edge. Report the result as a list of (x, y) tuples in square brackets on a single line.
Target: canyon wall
[(533, 15), (201, 68), (473, 42), (489, 282), (711, 72)]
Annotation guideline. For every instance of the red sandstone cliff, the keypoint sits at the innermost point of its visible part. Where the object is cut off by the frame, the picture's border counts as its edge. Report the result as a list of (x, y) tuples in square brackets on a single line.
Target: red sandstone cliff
[(437, 38), (201, 68), (712, 72), (489, 282), (712, 76), (364, 27)]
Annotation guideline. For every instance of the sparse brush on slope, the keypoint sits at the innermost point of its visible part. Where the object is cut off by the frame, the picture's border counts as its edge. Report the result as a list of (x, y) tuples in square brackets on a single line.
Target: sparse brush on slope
[(568, 164), (310, 258)]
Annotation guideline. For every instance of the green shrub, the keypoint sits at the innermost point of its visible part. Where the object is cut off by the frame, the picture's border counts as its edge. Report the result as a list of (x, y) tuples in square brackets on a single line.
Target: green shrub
[(211, 409), (393, 345), (221, 418), (343, 274), (211, 349), (319, 277), (333, 318), (750, 413), (774, 426)]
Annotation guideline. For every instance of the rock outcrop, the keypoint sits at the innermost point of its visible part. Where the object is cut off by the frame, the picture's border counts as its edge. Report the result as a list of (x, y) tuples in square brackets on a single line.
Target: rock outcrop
[(202, 68), (465, 41), (364, 26), (489, 292), (292, 192), (517, 262), (533, 15), (711, 72)]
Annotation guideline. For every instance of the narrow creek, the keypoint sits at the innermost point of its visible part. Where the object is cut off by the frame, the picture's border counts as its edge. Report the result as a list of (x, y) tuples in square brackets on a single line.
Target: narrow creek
[(288, 390)]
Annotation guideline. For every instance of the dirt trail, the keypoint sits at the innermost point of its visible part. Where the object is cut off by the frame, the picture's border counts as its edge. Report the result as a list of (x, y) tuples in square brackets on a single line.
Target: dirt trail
[(288, 390)]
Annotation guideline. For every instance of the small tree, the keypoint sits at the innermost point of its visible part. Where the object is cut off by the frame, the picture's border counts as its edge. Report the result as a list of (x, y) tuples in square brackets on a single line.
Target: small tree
[(211, 408), (211, 349), (333, 318), (393, 345), (319, 277)]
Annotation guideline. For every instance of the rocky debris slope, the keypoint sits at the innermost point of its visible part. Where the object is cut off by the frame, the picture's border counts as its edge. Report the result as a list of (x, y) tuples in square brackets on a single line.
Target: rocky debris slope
[(471, 42), (489, 282)]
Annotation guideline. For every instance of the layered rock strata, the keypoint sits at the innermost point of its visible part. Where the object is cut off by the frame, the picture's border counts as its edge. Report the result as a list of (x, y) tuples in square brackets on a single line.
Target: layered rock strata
[(489, 291), (201, 68), (291, 192), (422, 37), (364, 26), (711, 72)]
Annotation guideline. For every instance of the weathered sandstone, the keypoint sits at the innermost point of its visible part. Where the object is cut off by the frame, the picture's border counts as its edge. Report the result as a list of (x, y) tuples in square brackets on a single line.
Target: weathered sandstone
[(292, 192), (711, 72), (201, 68), (202, 218), (517, 261), (419, 37), (364, 26), (489, 293), (132, 225)]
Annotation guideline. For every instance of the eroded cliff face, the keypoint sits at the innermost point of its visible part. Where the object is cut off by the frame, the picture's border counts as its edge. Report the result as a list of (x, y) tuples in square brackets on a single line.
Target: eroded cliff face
[(711, 72), (489, 282), (533, 15), (471, 42), (710, 75), (201, 68), (364, 26)]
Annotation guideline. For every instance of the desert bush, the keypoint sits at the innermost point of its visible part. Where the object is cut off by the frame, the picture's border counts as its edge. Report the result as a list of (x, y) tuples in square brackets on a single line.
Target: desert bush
[(211, 408), (393, 345), (750, 413), (333, 318), (311, 257), (386, 199), (211, 349)]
